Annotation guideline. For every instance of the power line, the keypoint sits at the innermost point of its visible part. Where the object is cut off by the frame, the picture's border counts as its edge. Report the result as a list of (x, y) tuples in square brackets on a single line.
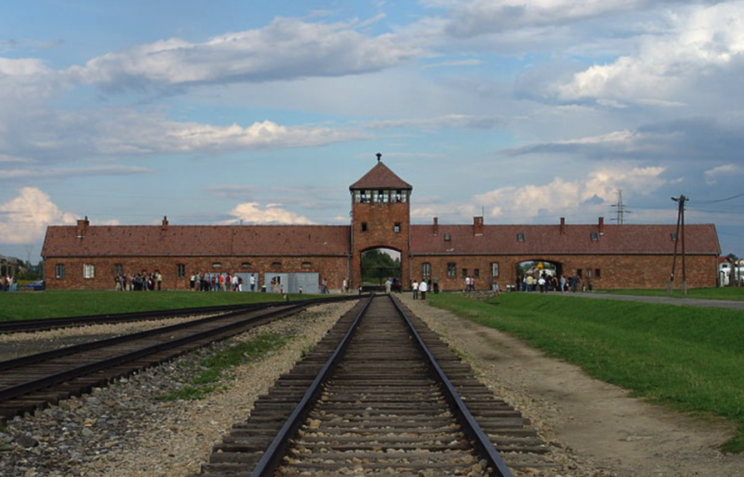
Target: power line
[(721, 200)]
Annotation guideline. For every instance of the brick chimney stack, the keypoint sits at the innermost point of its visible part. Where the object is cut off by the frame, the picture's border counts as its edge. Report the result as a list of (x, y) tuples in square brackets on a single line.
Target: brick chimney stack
[(477, 225), (164, 227), (562, 229), (435, 226), (601, 226), (82, 227)]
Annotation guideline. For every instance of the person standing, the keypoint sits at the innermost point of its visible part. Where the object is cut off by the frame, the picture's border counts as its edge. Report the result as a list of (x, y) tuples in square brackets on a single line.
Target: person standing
[(423, 288), (415, 288), (253, 283)]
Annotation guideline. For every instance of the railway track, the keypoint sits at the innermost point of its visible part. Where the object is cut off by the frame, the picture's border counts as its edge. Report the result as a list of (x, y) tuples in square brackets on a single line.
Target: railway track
[(381, 394), (35, 381)]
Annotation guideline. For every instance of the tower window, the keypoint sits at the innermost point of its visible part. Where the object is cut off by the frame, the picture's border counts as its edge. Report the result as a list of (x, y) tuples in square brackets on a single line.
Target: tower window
[(364, 226), (396, 227)]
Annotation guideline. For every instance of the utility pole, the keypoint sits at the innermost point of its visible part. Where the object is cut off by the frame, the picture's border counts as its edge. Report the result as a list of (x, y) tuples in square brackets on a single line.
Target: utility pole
[(679, 239)]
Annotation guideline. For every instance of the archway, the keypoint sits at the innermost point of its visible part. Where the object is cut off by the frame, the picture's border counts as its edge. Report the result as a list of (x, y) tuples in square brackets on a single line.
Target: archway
[(529, 273), (378, 266)]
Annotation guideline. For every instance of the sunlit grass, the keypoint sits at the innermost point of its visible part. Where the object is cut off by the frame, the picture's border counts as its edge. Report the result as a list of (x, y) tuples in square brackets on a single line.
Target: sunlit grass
[(688, 358), (64, 303)]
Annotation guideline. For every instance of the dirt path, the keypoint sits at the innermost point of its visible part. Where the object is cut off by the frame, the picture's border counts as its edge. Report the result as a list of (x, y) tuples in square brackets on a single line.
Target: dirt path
[(599, 426)]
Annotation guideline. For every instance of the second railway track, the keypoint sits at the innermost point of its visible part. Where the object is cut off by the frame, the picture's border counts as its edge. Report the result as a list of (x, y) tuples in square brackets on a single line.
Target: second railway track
[(35, 381), (381, 408)]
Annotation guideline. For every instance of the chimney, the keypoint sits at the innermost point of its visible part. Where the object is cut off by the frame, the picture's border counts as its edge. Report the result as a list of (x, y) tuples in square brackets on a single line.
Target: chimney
[(478, 226), (562, 229), (601, 226), (164, 227), (435, 227), (82, 227)]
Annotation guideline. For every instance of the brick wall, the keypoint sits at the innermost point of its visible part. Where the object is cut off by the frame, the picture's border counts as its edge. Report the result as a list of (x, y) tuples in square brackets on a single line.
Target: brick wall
[(615, 272), (334, 269)]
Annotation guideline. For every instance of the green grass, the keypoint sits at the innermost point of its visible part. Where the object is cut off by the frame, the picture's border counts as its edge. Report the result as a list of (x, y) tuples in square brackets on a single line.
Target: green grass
[(688, 358), (214, 367), (64, 303), (722, 293)]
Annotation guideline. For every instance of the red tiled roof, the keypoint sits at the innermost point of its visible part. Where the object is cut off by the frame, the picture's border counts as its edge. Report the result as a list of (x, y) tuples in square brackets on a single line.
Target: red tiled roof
[(380, 177), (198, 240), (547, 239)]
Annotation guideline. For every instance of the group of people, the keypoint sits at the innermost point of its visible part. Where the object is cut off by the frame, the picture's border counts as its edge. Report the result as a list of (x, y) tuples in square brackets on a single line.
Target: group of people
[(7, 283), (545, 282), (224, 281), (142, 281), (420, 288)]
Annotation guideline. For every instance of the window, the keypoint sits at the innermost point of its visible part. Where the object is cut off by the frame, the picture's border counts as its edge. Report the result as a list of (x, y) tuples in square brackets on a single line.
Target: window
[(396, 227), (426, 270), (673, 236), (59, 271), (476, 272), (89, 271), (451, 269), (594, 236), (216, 265), (245, 265), (579, 272), (464, 272), (596, 273), (180, 270), (364, 226), (494, 269), (588, 273), (447, 237), (118, 269), (520, 237), (307, 265), (276, 264)]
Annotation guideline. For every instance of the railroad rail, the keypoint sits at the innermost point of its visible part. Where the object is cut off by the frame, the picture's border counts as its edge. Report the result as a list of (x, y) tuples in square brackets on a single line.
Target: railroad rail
[(45, 324), (380, 394), (35, 381)]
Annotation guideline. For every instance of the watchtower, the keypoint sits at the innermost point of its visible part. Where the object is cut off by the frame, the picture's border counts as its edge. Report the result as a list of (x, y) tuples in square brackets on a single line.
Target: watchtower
[(380, 218)]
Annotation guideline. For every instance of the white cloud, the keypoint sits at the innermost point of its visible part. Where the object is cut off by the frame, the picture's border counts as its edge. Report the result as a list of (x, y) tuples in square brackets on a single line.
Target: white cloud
[(61, 134), (700, 42), (285, 49), (22, 67), (25, 218), (252, 213), (478, 17), (561, 195), (712, 175)]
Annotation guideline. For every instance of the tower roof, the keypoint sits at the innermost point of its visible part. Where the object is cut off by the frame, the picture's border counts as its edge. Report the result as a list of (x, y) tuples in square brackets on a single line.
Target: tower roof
[(380, 177)]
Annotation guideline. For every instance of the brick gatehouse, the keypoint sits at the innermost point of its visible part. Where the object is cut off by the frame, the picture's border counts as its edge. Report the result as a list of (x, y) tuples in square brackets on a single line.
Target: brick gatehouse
[(604, 256)]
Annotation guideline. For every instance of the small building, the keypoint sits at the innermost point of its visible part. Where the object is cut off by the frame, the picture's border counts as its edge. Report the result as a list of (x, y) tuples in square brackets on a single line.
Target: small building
[(603, 256)]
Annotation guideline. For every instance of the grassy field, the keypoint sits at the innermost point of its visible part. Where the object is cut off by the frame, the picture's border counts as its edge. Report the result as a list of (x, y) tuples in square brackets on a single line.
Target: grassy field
[(59, 303), (688, 358), (725, 293)]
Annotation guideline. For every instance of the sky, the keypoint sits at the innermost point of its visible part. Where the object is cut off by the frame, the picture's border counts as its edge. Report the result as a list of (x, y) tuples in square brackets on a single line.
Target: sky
[(261, 112)]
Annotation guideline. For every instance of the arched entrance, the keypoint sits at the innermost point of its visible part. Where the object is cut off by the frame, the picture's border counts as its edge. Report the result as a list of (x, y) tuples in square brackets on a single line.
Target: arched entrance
[(378, 266), (530, 271)]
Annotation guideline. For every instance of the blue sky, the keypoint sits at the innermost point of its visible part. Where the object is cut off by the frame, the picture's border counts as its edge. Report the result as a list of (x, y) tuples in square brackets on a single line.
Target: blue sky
[(227, 111)]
